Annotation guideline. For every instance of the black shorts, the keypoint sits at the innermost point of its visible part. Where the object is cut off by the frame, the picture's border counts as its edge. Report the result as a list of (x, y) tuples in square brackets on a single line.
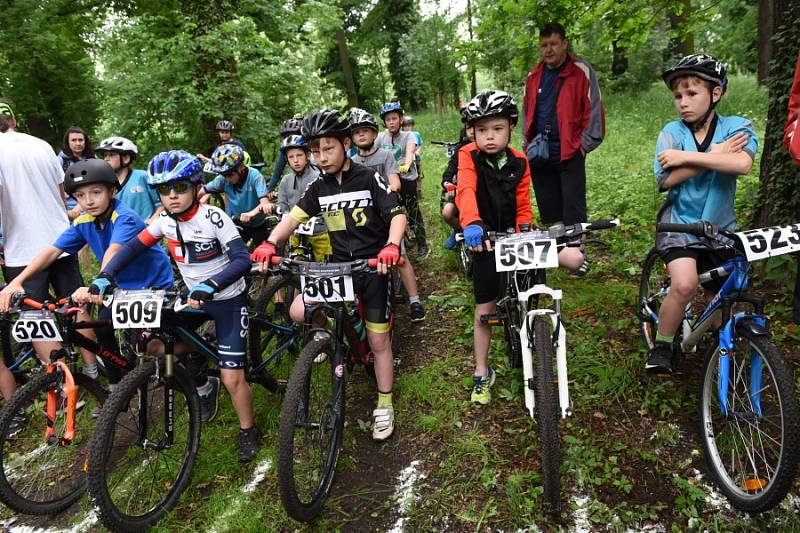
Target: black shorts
[(485, 279), (560, 188), (64, 276), (706, 260), (373, 294)]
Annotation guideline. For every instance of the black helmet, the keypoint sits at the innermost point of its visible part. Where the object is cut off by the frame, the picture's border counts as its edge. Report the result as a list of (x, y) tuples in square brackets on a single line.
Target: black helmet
[(361, 119), (701, 65), (492, 104), (291, 127), (87, 172), (225, 125), (324, 123)]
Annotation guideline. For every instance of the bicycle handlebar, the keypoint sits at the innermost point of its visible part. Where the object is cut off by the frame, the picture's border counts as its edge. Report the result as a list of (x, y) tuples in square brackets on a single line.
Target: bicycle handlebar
[(698, 229), (558, 232)]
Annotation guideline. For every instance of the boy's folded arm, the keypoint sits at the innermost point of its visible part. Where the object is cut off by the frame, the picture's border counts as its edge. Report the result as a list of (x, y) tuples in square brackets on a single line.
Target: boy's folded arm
[(678, 176), (729, 163)]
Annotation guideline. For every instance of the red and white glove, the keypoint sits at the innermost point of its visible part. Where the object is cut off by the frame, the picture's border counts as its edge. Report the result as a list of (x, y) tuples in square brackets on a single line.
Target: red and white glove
[(389, 254), (264, 253)]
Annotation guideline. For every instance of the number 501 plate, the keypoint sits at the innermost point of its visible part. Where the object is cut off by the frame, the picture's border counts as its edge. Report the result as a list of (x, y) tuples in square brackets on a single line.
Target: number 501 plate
[(137, 309), (525, 252)]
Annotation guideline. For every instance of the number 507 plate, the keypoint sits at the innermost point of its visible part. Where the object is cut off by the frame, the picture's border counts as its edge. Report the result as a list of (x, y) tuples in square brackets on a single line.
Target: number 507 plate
[(525, 252)]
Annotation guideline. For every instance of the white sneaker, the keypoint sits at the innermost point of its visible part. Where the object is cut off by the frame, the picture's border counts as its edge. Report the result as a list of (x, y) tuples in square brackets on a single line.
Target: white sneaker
[(320, 336), (382, 423)]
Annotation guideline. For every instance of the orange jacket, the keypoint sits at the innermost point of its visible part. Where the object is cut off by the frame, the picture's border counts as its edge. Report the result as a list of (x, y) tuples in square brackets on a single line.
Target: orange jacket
[(791, 133), (496, 199)]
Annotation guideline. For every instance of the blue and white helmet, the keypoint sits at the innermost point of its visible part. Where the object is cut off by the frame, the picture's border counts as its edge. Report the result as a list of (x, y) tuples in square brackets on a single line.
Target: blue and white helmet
[(391, 107), (174, 165), (294, 141)]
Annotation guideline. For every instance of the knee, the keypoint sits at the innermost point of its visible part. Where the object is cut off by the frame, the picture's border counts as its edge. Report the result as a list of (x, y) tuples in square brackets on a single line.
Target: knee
[(683, 289), (232, 379), (297, 310)]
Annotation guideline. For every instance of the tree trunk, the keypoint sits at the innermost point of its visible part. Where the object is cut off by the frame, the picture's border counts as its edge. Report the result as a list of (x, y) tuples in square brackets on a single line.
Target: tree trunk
[(619, 61), (778, 201), (347, 71), (472, 75), (683, 43), (766, 27)]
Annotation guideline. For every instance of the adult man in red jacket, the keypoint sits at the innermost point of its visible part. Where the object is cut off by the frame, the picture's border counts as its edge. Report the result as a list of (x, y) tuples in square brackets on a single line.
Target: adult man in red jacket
[(562, 96), (791, 133)]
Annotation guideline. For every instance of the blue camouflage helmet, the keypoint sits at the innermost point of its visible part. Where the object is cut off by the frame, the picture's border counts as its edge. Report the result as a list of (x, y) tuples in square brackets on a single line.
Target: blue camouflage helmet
[(174, 165), (391, 107), (294, 141), (226, 158)]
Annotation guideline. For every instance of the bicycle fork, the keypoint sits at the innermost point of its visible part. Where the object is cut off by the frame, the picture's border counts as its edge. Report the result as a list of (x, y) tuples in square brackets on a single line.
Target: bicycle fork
[(560, 334)]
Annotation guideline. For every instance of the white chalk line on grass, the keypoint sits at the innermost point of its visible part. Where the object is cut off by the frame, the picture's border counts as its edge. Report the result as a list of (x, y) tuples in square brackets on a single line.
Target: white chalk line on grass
[(405, 495), (259, 474), (84, 525)]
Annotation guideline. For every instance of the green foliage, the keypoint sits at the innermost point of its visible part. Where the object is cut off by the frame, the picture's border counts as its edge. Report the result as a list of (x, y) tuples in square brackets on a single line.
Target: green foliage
[(733, 35), (45, 66), (197, 72)]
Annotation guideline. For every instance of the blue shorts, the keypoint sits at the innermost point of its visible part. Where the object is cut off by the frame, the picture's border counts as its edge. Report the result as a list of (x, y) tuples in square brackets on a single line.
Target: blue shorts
[(230, 322)]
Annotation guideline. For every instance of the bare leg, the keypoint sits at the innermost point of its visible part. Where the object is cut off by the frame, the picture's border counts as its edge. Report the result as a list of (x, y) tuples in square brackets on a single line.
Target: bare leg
[(482, 336), (241, 396)]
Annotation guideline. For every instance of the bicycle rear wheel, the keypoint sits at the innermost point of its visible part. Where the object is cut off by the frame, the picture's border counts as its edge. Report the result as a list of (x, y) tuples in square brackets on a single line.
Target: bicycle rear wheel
[(466, 259), (310, 432), (135, 475), (752, 452), (547, 414), (653, 288), (44, 476)]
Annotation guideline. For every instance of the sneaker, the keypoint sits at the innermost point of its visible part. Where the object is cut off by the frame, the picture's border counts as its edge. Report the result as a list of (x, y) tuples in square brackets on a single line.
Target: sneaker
[(249, 443), (321, 336), (659, 360), (583, 269), (451, 243), (17, 424), (417, 312), (481, 388), (209, 402), (422, 251), (382, 423)]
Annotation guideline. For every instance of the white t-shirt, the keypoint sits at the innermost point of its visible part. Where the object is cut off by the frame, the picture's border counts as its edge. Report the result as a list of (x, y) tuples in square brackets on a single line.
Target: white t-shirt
[(31, 206), (205, 244)]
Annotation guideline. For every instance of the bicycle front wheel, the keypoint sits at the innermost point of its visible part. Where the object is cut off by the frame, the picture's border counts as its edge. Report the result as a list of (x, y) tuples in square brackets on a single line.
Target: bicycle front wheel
[(136, 471), (547, 414), (42, 474), (751, 450), (310, 433), (653, 288), (271, 328)]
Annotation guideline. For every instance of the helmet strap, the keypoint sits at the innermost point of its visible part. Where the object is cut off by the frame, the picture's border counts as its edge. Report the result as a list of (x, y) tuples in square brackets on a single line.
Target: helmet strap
[(104, 216)]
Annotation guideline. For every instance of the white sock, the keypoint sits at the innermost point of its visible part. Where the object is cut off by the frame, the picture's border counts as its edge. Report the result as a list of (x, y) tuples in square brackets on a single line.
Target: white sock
[(413, 299)]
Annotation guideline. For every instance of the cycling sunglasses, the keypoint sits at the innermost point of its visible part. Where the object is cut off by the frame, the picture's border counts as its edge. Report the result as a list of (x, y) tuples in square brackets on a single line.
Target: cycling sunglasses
[(177, 186)]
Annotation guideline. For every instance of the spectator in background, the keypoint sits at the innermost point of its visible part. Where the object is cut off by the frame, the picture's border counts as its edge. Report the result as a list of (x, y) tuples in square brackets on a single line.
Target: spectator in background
[(791, 133), (75, 147), (224, 136), (562, 107)]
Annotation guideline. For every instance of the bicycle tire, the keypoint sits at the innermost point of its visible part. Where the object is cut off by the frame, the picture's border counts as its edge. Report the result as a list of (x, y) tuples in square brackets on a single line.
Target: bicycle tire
[(779, 422), (511, 334), (28, 464), (547, 414), (465, 258), (116, 445), (259, 337), (652, 284), (297, 437)]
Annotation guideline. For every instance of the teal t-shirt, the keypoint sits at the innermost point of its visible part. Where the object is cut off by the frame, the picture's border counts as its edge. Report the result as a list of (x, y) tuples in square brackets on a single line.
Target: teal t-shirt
[(138, 195), (242, 197)]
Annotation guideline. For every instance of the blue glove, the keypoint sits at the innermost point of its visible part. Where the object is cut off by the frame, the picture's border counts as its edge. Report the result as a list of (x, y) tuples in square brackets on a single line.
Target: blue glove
[(101, 284), (473, 235), (203, 292)]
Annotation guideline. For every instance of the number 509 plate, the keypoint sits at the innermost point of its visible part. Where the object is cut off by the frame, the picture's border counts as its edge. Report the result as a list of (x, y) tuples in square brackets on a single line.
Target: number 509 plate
[(525, 252), (137, 309)]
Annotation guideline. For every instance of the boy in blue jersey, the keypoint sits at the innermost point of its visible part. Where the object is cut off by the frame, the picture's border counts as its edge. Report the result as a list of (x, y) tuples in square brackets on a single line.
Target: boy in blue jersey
[(105, 226), (245, 189), (120, 153), (698, 159)]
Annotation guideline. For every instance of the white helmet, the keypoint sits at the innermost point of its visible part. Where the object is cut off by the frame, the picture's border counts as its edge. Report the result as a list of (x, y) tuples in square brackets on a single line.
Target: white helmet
[(119, 145)]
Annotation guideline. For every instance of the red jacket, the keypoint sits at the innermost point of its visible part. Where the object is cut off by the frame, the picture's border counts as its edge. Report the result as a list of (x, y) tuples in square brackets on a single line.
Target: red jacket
[(791, 133), (581, 119)]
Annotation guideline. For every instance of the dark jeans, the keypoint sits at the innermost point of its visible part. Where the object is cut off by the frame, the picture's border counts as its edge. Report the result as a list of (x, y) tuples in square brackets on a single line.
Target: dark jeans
[(410, 201), (560, 188)]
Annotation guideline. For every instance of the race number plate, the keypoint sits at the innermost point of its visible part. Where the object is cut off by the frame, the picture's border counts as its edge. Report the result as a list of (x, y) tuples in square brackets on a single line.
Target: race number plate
[(761, 243), (35, 326), (307, 228), (322, 282), (525, 251), (137, 309)]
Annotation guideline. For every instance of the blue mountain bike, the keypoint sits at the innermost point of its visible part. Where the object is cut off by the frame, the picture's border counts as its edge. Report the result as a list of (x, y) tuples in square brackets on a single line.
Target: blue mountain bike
[(748, 412)]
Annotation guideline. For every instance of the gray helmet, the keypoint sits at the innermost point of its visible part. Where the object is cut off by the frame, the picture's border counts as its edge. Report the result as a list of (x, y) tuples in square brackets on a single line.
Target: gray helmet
[(119, 145), (361, 119), (225, 125)]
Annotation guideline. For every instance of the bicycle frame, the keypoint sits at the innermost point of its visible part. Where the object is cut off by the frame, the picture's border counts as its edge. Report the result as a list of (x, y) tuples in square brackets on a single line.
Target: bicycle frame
[(540, 288)]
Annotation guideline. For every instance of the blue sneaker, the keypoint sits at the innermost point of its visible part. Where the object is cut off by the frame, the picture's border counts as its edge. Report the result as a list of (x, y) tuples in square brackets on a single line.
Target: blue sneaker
[(451, 243)]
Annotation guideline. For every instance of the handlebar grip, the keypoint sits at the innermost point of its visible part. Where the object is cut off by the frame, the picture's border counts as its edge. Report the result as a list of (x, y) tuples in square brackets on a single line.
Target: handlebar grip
[(603, 224), (697, 229)]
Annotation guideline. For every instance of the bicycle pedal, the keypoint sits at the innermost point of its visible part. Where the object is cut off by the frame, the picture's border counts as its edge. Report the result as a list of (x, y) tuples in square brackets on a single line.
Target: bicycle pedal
[(492, 320)]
